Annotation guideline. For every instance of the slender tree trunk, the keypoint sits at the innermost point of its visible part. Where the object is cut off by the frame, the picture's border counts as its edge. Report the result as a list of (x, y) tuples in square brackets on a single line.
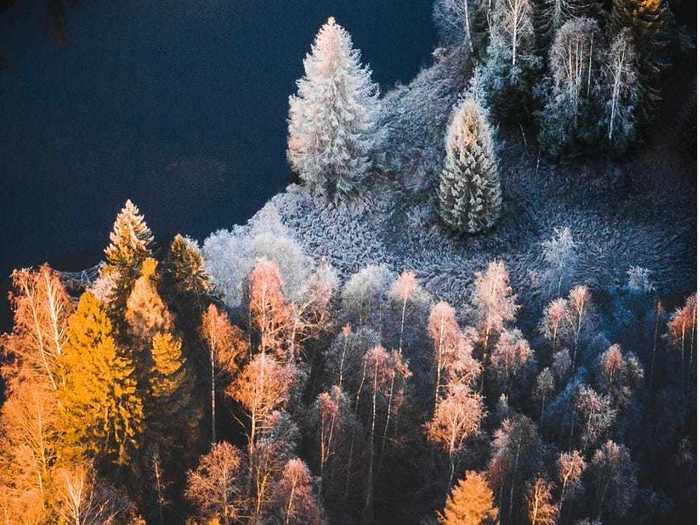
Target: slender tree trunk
[(467, 29), (653, 347), (512, 482), (213, 396), (370, 476), (291, 501)]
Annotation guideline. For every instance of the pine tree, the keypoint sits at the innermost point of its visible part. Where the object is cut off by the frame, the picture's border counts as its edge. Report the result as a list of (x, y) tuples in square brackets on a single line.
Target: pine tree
[(470, 189), (185, 282), (102, 413), (333, 117), (649, 23), (172, 411), (470, 503), (130, 243), (146, 314)]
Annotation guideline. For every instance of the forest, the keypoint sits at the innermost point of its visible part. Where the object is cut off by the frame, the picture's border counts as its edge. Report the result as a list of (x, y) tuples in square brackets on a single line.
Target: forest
[(475, 304)]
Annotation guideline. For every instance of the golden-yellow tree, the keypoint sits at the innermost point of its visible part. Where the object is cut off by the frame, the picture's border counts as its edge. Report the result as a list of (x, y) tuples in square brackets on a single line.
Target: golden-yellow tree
[(470, 503), (130, 243), (146, 314), (541, 509), (172, 410), (101, 410)]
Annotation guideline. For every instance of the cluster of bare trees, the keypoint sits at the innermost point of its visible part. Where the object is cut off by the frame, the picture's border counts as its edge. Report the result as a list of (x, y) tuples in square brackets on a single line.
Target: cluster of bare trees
[(340, 403)]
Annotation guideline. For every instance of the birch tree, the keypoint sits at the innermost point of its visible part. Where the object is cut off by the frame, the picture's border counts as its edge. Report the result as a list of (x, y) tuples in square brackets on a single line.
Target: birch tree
[(457, 418), (573, 60), (511, 58), (617, 93), (226, 344)]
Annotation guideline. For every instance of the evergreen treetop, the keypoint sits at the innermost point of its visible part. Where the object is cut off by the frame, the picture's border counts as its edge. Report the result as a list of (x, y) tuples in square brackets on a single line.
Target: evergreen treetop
[(469, 192), (102, 413)]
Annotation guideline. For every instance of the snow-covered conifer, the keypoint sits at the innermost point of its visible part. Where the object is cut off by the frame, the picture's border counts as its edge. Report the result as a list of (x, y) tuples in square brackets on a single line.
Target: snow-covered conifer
[(617, 92), (470, 188), (333, 117)]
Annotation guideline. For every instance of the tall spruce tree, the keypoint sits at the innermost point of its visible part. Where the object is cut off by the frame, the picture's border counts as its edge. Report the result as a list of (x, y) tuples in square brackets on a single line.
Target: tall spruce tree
[(649, 23), (333, 117), (470, 189), (185, 283), (171, 409), (146, 314), (101, 410), (130, 243)]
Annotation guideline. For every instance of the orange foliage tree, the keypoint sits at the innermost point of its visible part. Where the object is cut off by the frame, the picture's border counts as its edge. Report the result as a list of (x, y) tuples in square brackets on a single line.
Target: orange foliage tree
[(41, 309), (470, 503), (227, 344)]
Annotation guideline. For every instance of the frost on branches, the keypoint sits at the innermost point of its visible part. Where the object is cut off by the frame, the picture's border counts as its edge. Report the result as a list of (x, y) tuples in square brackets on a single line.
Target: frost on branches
[(512, 61), (333, 117), (470, 188)]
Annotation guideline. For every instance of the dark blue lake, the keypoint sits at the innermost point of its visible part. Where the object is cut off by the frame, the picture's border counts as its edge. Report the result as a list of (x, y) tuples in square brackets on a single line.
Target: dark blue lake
[(180, 105)]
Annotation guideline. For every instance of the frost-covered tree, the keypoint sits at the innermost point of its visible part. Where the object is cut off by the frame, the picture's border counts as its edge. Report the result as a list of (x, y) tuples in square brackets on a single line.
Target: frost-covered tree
[(263, 386), (619, 375), (329, 417), (41, 307), (448, 341), (333, 127), (570, 469), (229, 256), (226, 344), (511, 59), (560, 258), (614, 481), (463, 22), (469, 193), (215, 485), (293, 499), (556, 322), (457, 418), (595, 413), (511, 360), (568, 90), (516, 456), (83, 498), (269, 313), (617, 92), (364, 294), (649, 22), (493, 300), (544, 386)]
